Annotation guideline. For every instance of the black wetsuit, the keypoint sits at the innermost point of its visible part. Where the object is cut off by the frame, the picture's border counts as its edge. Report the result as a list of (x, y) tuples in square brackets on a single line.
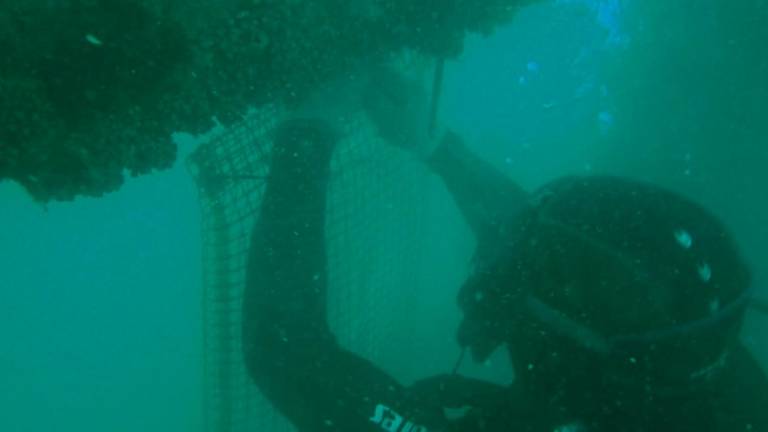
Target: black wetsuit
[(318, 385)]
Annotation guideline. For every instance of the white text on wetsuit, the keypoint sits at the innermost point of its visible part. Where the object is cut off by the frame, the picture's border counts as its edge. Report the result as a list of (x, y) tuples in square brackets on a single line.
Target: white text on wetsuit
[(391, 421)]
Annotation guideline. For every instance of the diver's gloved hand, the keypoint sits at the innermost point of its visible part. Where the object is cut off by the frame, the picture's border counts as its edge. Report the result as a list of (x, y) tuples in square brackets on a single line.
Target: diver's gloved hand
[(399, 108), (456, 391)]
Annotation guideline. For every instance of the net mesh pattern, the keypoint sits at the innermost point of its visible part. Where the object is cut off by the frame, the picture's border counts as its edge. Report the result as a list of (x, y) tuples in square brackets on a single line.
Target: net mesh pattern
[(374, 220)]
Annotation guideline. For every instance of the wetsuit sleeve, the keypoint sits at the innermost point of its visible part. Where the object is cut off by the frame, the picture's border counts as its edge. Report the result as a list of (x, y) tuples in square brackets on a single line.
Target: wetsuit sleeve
[(289, 350), (486, 198)]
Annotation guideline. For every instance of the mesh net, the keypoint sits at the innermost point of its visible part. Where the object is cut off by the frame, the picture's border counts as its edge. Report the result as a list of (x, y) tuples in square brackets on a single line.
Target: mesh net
[(375, 237)]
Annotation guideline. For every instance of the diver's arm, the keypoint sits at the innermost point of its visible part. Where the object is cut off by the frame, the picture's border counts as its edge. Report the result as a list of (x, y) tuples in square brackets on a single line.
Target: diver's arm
[(488, 199), (289, 349), (397, 107)]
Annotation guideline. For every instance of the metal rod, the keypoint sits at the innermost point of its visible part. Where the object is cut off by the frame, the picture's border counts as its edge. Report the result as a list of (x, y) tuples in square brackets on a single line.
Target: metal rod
[(437, 88), (459, 361)]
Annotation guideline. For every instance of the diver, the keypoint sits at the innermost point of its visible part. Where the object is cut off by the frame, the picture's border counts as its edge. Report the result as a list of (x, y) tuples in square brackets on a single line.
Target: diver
[(619, 302)]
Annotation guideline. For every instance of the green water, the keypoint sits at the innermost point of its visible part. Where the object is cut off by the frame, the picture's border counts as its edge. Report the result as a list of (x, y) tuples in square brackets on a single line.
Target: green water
[(101, 296)]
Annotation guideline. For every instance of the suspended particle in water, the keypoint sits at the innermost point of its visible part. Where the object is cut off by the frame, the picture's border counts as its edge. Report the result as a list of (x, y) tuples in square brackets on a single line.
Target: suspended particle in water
[(605, 121), (479, 296), (93, 40), (683, 238), (714, 306), (705, 272), (570, 427)]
